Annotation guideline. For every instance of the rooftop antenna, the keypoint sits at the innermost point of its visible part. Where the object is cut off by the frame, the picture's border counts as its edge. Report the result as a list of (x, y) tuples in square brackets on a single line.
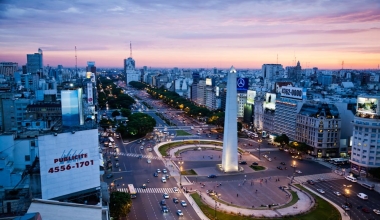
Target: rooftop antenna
[(130, 49), (76, 61)]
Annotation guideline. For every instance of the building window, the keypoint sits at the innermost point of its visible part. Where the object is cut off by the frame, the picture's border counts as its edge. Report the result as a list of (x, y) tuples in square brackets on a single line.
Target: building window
[(27, 157), (32, 143)]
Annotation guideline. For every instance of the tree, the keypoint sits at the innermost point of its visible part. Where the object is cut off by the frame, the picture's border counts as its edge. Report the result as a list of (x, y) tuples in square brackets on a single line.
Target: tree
[(120, 204), (139, 124), (115, 113), (125, 112), (375, 172), (282, 140), (239, 126)]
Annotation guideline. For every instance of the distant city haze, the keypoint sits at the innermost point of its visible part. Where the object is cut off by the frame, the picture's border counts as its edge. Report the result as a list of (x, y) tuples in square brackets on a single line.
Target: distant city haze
[(194, 33)]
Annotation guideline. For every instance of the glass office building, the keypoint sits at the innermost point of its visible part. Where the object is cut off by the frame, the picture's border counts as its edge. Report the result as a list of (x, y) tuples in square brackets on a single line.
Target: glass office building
[(72, 110)]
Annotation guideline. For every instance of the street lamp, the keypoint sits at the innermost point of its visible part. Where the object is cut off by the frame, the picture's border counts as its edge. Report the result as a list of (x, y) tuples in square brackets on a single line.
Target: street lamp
[(180, 172), (260, 140)]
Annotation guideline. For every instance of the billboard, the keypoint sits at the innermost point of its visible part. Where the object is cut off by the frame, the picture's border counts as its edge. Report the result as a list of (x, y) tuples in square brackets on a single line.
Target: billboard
[(68, 166), (90, 98), (270, 101), (251, 97), (208, 82), (242, 84), (292, 92), (368, 105)]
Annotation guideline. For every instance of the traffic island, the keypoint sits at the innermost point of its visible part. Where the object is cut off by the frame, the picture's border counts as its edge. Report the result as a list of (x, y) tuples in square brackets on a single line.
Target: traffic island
[(257, 167)]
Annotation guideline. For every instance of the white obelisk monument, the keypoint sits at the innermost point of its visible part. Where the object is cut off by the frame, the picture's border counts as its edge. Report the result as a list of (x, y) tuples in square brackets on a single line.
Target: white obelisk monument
[(230, 141)]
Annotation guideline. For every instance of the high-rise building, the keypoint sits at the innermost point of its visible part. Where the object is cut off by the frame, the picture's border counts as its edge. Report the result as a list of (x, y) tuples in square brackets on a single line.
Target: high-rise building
[(270, 71), (287, 107), (91, 67), (34, 62), (319, 126), (365, 153), (8, 68), (72, 110)]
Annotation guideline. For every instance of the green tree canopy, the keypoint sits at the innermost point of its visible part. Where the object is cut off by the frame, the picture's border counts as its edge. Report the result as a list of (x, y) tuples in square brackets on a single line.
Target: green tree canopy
[(125, 112), (141, 124), (115, 113), (282, 140), (120, 204), (137, 85)]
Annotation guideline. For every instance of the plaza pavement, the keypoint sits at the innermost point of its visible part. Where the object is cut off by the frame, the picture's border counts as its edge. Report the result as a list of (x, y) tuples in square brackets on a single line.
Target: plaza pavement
[(240, 201)]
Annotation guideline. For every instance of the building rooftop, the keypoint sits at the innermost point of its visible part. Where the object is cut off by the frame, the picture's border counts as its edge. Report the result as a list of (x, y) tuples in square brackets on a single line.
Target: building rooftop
[(318, 110), (54, 210)]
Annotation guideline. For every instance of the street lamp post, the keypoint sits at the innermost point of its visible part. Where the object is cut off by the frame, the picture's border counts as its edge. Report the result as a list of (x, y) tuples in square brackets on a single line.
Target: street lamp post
[(180, 172), (260, 148)]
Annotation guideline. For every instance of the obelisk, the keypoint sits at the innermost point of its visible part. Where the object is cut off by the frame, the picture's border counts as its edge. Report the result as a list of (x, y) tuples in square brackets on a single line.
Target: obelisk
[(230, 143)]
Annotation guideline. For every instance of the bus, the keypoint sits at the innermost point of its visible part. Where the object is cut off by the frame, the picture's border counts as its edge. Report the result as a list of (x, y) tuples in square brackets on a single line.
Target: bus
[(338, 161), (111, 141), (132, 191)]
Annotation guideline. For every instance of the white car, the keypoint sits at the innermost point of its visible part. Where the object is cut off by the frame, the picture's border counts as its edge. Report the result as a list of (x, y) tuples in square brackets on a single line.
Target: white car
[(166, 196), (179, 213), (158, 171), (321, 191), (183, 203), (141, 148), (164, 171), (298, 171), (376, 211), (149, 161), (337, 193), (175, 189)]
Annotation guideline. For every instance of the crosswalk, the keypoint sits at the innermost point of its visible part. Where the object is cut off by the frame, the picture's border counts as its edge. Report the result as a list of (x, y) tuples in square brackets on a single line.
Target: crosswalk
[(151, 190), (315, 177), (136, 155)]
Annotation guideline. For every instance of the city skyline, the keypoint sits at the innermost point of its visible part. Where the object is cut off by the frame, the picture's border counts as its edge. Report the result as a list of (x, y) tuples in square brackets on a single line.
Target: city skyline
[(191, 34)]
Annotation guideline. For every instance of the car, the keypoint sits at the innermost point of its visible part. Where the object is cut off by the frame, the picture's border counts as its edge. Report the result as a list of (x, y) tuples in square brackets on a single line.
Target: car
[(298, 171), (175, 189), (255, 163), (141, 148), (243, 162), (362, 196), (166, 196), (164, 209), (116, 158), (311, 182), (155, 174), (344, 207), (109, 176), (282, 163), (348, 204), (337, 193), (210, 192), (211, 176), (164, 171), (179, 213), (158, 171), (163, 202), (266, 156), (144, 186), (293, 165), (321, 191), (175, 200), (269, 159), (279, 167), (183, 203), (376, 211), (149, 161), (366, 210)]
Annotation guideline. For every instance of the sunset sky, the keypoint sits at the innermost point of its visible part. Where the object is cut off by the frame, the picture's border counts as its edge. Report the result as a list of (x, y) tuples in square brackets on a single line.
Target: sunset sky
[(193, 33)]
